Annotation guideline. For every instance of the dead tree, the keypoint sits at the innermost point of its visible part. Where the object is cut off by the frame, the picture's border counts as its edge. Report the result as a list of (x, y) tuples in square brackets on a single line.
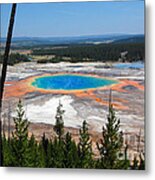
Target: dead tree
[(4, 70)]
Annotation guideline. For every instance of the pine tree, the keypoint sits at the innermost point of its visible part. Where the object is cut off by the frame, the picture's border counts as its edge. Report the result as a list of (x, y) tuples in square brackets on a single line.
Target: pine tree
[(45, 143), (50, 155), (85, 148), (32, 153), (19, 143), (59, 125), (111, 144), (57, 151), (71, 159), (7, 153), (125, 162), (43, 151), (42, 156)]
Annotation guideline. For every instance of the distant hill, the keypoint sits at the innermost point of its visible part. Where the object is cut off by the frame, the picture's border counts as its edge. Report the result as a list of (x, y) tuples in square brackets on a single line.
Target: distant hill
[(94, 39), (135, 39)]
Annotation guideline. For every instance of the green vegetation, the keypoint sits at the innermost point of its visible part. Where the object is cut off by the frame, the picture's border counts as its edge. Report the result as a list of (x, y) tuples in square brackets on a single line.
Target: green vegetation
[(85, 147), (15, 58), (111, 144), (74, 53), (59, 125), (62, 151), (101, 52), (20, 145)]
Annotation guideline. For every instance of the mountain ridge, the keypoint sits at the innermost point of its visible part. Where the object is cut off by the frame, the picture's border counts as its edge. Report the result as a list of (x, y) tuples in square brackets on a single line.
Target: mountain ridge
[(90, 39)]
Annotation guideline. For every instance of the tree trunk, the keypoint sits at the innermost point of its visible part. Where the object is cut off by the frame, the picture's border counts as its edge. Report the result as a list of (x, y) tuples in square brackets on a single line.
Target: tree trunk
[(4, 70)]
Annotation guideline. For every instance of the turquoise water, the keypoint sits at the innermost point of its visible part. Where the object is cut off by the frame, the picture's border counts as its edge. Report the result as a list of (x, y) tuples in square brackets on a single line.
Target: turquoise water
[(136, 65), (70, 82)]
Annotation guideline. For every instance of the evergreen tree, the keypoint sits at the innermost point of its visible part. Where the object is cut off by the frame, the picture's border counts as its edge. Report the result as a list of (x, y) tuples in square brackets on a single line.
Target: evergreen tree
[(85, 148), (7, 154), (45, 143), (50, 155), (54, 150), (123, 163), (42, 157), (43, 150), (32, 154), (19, 143), (59, 125), (57, 151), (71, 159), (112, 142)]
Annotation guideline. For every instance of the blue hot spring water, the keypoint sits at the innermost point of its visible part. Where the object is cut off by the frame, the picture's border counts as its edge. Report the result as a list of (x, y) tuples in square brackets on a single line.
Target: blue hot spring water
[(135, 65), (70, 82)]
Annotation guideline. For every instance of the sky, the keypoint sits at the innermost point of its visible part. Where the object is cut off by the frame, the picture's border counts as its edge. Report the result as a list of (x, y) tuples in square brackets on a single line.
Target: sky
[(74, 19)]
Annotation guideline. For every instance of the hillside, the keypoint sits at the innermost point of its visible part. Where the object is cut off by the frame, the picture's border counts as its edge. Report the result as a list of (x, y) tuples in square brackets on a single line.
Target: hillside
[(94, 39)]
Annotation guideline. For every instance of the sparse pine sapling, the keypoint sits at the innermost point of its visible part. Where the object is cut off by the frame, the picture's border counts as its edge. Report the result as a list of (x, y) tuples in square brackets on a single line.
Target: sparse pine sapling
[(20, 141), (59, 125), (112, 142), (85, 148)]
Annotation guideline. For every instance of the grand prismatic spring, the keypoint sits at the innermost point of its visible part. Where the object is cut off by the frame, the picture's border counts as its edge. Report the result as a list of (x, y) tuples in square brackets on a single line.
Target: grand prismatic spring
[(71, 82)]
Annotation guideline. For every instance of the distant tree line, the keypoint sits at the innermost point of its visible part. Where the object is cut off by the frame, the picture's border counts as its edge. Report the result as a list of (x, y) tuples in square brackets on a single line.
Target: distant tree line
[(101, 52), (15, 58), (22, 150), (55, 59)]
